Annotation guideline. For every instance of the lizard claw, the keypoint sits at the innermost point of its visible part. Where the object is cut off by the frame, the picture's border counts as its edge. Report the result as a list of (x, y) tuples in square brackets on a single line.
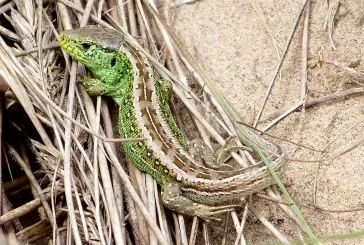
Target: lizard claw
[(209, 213)]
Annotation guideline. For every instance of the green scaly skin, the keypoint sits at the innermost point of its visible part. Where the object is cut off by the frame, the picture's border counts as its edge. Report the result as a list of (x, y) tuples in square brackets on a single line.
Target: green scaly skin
[(113, 77)]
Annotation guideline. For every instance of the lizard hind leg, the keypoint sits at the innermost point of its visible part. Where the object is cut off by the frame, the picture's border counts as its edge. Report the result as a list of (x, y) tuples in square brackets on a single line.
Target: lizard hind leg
[(215, 160), (224, 152), (173, 199)]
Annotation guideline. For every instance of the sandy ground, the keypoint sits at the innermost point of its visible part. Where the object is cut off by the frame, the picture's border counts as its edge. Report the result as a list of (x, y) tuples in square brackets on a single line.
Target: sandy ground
[(240, 56)]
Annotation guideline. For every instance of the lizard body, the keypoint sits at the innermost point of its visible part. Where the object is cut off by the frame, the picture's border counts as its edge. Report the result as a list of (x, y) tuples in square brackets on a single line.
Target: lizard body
[(122, 72)]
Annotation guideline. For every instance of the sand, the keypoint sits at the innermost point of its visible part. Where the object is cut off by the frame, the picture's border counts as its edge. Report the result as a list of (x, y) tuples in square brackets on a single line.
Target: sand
[(239, 55)]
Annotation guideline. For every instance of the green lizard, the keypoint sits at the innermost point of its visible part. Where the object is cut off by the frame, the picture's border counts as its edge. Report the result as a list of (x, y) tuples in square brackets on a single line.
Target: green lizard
[(122, 72)]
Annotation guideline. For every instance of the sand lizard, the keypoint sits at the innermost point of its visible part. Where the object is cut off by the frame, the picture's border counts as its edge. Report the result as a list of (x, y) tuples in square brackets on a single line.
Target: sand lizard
[(123, 72)]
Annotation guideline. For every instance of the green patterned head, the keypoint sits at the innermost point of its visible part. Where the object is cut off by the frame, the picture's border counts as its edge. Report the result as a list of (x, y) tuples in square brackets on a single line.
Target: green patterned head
[(98, 49)]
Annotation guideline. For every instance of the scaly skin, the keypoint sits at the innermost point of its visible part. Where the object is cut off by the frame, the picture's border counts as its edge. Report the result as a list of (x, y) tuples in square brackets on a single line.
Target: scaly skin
[(123, 72)]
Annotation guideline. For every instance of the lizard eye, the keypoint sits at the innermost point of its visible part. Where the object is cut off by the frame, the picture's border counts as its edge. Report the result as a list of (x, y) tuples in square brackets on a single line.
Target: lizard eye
[(113, 62), (86, 46)]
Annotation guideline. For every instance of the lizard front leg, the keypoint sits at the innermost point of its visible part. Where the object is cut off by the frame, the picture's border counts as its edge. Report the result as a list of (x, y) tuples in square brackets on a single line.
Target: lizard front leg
[(173, 199)]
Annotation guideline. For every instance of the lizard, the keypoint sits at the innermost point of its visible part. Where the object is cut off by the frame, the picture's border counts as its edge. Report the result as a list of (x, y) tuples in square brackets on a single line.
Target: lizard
[(123, 72)]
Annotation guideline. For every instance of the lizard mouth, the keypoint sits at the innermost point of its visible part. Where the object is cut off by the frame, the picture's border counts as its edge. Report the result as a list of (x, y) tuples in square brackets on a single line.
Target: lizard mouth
[(62, 40), (70, 46)]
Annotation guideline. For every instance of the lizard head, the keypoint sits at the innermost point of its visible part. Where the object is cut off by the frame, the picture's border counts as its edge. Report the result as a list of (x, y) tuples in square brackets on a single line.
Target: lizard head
[(98, 49)]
